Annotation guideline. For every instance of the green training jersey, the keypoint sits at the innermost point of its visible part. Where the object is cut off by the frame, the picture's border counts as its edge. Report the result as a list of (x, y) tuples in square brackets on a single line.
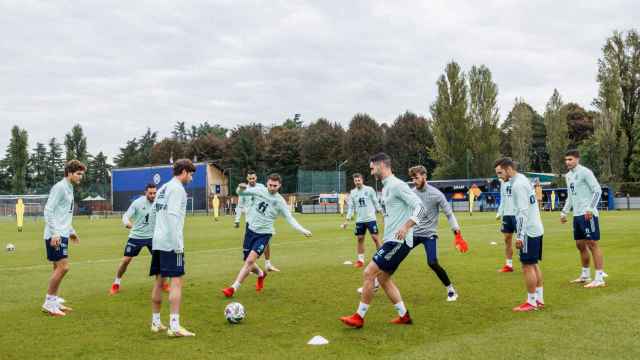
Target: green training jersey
[(170, 208), (528, 218), (265, 209), (506, 207), (364, 203), (58, 212), (245, 203), (141, 215), (583, 192), (399, 204)]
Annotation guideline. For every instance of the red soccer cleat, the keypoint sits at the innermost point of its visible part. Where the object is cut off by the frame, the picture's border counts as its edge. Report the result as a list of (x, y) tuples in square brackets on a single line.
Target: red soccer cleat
[(525, 307), (166, 287), (540, 305), (115, 288), (260, 282), (354, 321), (228, 292), (402, 320), (358, 264), (506, 269)]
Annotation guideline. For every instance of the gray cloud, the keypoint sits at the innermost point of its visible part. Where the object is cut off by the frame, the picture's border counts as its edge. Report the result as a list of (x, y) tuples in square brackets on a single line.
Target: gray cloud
[(119, 69)]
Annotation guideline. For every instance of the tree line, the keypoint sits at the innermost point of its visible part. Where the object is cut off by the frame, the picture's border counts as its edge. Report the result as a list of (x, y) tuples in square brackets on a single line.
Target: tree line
[(460, 137)]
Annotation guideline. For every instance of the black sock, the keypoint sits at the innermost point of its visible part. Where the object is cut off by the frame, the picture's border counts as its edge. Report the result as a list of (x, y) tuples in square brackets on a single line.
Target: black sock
[(442, 275)]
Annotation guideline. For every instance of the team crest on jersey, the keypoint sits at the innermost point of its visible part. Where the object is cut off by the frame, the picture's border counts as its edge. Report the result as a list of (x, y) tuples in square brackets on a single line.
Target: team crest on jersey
[(157, 179)]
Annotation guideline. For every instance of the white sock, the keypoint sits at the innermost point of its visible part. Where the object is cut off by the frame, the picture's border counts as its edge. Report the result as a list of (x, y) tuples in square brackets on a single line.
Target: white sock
[(155, 318), (174, 321), (117, 280), (362, 309), (599, 275), (510, 262), (539, 295), (451, 289), (402, 310), (531, 299), (376, 283), (586, 272), (50, 299), (236, 285), (361, 257), (267, 263)]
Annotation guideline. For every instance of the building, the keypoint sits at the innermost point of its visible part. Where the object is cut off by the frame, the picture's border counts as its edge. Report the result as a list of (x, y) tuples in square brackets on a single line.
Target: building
[(127, 184)]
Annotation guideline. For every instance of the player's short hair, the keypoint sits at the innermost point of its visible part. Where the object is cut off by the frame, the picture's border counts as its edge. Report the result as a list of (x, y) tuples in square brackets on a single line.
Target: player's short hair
[(573, 152), (150, 186), (505, 162), (72, 166), (183, 165), (417, 170), (251, 172), (381, 157), (357, 175), (275, 177)]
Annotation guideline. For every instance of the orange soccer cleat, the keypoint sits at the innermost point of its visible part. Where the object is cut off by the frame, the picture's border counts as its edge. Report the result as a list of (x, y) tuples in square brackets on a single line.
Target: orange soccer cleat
[(354, 321), (506, 269), (260, 282), (402, 320), (228, 292), (525, 307), (358, 264), (115, 288)]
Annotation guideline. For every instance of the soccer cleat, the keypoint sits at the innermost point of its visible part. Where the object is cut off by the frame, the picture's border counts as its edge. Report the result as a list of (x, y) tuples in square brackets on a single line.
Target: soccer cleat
[(272, 268), (595, 284), (228, 292), (52, 309), (156, 328), (358, 264), (375, 289), (452, 296), (181, 332), (506, 269), (61, 300), (354, 321), (605, 275), (525, 307), (260, 282), (115, 288), (402, 320), (64, 308), (540, 305), (581, 280), (166, 287)]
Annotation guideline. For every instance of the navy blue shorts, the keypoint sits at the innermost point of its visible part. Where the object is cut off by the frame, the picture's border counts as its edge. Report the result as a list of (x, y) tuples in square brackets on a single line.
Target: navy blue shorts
[(509, 224), (166, 264), (586, 230), (531, 251), (430, 246), (254, 242), (134, 246), (390, 255), (361, 228), (59, 253)]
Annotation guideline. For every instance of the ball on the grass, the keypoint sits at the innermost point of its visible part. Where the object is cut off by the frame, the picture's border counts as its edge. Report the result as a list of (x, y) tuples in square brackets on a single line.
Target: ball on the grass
[(10, 247), (234, 312)]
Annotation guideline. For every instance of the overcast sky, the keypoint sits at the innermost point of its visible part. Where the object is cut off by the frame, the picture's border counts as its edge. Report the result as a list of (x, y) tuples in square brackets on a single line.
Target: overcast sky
[(117, 69)]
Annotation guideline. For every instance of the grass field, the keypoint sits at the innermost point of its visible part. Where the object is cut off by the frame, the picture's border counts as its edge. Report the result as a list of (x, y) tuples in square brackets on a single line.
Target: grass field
[(314, 289)]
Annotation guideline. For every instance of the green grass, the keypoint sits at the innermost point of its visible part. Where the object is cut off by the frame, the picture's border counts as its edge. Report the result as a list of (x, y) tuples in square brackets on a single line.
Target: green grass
[(314, 289)]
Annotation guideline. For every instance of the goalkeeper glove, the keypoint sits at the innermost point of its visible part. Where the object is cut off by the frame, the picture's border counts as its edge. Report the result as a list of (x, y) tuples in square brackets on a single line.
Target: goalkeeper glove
[(459, 242)]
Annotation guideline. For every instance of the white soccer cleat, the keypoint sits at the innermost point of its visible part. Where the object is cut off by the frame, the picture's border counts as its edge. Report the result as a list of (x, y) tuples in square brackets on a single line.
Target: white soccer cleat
[(452, 296), (181, 332), (271, 268), (61, 300), (52, 309), (605, 275), (595, 284), (156, 328), (581, 280)]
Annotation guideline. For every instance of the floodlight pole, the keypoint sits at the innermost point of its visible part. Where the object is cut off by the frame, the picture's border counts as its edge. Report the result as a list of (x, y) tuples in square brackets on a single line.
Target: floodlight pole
[(339, 167)]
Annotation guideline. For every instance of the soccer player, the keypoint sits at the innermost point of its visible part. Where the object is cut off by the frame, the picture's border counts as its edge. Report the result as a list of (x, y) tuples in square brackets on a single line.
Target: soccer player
[(402, 210), (58, 215), (266, 207), (244, 204), (140, 219), (583, 195), (426, 233), (364, 203), (506, 212), (529, 232), (167, 259)]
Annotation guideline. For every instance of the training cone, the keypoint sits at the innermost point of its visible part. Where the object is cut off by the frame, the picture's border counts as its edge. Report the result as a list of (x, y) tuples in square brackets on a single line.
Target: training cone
[(318, 340)]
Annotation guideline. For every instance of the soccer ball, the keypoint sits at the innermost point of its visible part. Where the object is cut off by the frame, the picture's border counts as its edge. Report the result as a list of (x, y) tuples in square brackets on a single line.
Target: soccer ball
[(10, 247), (234, 312)]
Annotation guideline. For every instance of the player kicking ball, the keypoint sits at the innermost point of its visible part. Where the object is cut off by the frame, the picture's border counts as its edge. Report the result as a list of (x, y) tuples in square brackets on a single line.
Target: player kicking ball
[(401, 208), (364, 203), (140, 219), (583, 195), (506, 214), (268, 204), (167, 259), (244, 204), (426, 233), (529, 232), (58, 215)]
